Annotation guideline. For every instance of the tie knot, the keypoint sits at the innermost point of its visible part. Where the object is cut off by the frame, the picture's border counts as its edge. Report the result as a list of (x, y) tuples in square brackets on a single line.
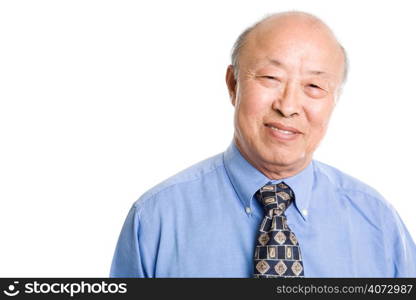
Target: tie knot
[(275, 196)]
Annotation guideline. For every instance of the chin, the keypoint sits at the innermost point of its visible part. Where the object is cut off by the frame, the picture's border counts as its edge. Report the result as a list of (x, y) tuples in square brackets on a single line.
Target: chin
[(284, 158)]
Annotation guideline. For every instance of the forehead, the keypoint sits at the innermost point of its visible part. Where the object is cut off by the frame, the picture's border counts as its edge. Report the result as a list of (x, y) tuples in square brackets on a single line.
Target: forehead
[(294, 45)]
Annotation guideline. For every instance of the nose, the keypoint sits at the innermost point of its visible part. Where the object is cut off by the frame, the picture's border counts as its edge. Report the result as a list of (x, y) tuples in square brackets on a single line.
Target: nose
[(287, 101)]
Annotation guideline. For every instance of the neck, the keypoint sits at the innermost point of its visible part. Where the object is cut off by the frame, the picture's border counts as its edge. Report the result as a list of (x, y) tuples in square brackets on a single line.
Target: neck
[(274, 170)]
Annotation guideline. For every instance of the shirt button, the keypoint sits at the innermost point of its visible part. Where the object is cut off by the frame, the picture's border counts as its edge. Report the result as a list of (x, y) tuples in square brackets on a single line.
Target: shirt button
[(304, 212), (248, 210)]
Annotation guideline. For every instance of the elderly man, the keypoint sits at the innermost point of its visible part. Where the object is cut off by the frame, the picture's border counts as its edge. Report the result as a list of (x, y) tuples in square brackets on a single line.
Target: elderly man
[(264, 207)]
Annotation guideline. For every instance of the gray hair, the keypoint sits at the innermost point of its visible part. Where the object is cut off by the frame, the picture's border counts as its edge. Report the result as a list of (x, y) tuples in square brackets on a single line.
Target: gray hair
[(242, 39)]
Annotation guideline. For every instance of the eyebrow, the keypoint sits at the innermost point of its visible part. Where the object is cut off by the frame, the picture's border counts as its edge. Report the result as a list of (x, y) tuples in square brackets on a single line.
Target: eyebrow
[(314, 72)]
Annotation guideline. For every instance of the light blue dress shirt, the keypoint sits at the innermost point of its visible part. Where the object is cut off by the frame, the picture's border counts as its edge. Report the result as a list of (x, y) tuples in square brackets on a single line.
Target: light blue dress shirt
[(203, 222)]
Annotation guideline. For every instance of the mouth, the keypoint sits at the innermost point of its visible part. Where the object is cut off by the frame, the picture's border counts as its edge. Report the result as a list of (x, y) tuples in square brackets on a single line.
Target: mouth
[(282, 132), (283, 129)]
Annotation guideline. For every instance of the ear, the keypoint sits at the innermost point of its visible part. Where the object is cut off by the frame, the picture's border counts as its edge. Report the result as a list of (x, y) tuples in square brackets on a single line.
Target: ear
[(231, 83)]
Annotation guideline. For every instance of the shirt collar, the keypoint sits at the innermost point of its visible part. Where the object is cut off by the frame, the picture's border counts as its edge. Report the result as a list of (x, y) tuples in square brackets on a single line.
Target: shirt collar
[(247, 180)]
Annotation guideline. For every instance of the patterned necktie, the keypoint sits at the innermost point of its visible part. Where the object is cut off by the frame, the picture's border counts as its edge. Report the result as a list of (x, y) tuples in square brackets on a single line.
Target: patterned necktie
[(277, 252)]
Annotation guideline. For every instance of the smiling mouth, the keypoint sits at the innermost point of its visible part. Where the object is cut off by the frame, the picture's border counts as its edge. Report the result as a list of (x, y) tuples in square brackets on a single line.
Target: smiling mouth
[(282, 129)]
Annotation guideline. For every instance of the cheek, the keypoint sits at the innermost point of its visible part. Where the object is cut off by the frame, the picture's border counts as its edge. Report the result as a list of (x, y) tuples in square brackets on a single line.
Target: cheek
[(318, 116), (252, 103)]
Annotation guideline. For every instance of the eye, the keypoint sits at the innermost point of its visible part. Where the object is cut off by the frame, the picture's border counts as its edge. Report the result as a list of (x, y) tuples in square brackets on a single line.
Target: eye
[(270, 77), (269, 81), (314, 86), (315, 91)]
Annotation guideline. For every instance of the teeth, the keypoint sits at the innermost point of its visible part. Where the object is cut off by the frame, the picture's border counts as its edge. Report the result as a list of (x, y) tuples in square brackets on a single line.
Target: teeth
[(282, 131)]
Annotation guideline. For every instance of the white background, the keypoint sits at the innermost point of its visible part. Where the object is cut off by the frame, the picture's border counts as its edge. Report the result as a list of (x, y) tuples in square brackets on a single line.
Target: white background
[(101, 100)]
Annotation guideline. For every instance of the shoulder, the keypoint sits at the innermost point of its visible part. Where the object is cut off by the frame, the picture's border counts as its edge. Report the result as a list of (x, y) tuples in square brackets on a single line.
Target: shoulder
[(359, 201), (375, 217), (182, 180), (349, 186)]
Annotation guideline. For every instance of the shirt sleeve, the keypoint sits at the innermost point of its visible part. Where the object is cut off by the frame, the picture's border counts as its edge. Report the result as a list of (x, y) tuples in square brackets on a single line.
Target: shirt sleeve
[(402, 249), (127, 261)]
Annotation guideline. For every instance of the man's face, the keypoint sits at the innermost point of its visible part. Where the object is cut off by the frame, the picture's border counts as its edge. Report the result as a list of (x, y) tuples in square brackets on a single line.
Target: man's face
[(289, 75)]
